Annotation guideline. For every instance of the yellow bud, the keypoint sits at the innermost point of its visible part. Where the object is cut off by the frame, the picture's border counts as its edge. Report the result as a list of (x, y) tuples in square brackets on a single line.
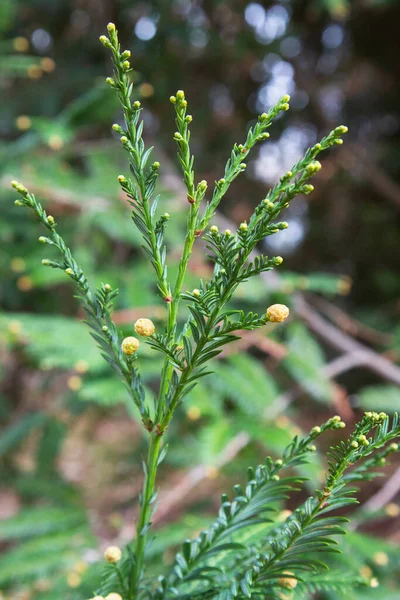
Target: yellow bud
[(111, 28), (180, 95), (144, 327), (50, 220), (313, 167), (214, 229), (130, 345), (69, 271), (19, 187), (105, 41), (268, 204), (196, 293), (113, 596), (277, 313), (112, 554)]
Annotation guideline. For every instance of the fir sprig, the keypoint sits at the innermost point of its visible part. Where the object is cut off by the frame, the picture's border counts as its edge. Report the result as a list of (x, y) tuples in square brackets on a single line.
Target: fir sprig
[(226, 561), (97, 306), (235, 164), (249, 507), (140, 188)]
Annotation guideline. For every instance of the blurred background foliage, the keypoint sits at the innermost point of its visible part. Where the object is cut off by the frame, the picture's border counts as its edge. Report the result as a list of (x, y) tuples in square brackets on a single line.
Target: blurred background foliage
[(70, 456)]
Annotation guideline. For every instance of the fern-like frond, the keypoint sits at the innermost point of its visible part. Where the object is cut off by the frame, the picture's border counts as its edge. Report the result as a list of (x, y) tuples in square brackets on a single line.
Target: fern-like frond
[(249, 507)]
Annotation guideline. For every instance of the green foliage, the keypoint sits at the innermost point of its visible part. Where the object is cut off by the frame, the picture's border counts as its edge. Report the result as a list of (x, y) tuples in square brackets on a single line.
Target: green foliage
[(51, 540), (305, 362), (226, 561), (384, 397), (260, 568)]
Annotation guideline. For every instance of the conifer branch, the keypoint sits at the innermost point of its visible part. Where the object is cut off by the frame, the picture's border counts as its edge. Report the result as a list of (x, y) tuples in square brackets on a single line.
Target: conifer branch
[(249, 507), (235, 164), (97, 306), (140, 189), (228, 560)]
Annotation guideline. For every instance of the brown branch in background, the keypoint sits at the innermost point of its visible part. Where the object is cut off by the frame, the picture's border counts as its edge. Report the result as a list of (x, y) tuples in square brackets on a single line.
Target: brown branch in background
[(387, 492), (336, 367), (256, 338), (350, 325), (381, 181), (343, 342)]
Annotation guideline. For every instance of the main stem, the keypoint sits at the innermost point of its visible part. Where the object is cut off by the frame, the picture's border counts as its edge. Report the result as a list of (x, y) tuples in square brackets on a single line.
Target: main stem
[(174, 305), (156, 435), (154, 452), (145, 509)]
